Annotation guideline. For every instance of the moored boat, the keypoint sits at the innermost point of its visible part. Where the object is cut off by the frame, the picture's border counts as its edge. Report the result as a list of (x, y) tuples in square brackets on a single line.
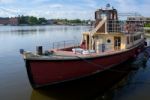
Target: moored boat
[(109, 44)]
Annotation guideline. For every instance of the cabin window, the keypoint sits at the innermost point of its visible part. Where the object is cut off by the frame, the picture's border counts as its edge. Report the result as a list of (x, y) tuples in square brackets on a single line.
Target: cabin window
[(134, 38), (103, 15), (148, 19), (130, 18), (131, 38), (108, 41), (137, 37), (111, 16)]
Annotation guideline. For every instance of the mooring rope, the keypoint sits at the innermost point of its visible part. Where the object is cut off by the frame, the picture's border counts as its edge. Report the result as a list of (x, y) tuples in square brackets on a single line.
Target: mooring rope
[(101, 66)]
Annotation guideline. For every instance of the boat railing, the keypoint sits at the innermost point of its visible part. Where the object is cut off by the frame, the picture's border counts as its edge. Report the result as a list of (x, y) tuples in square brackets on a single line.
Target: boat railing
[(124, 26), (65, 44)]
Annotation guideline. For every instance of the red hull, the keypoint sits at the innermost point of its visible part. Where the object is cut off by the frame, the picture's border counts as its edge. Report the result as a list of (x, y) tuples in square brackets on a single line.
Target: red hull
[(45, 72)]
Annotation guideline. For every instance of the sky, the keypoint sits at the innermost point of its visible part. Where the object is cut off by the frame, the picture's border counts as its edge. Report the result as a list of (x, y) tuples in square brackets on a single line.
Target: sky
[(70, 9)]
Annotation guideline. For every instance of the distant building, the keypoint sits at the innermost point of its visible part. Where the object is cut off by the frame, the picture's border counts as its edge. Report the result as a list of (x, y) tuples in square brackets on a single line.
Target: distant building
[(9, 21), (4, 21), (13, 21), (139, 19), (51, 21), (142, 20)]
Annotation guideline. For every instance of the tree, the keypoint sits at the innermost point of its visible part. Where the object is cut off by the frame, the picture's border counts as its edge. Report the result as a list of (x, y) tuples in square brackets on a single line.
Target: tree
[(42, 21), (76, 21), (33, 20), (147, 25), (23, 19)]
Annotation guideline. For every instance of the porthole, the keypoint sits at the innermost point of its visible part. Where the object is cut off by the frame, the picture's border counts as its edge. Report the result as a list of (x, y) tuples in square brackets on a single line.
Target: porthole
[(108, 41)]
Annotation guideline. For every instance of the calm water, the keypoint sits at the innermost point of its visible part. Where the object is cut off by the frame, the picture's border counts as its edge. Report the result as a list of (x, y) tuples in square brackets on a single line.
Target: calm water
[(14, 84)]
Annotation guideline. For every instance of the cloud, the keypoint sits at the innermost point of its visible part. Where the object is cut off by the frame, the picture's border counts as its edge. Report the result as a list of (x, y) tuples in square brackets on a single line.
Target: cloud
[(56, 6), (9, 12), (53, 11), (90, 3), (133, 6), (126, 5), (6, 1), (71, 9)]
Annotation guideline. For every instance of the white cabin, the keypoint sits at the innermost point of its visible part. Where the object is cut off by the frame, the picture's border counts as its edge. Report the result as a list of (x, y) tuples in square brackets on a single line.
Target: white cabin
[(111, 34)]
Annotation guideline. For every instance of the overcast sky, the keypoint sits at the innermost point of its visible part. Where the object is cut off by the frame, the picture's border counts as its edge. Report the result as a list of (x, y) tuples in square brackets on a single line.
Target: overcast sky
[(83, 9)]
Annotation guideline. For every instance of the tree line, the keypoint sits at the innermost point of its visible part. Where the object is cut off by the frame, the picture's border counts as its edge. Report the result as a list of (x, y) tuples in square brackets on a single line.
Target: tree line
[(31, 20)]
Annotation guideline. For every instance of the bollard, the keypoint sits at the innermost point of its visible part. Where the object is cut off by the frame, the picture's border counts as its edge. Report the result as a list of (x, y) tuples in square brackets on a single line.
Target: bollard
[(21, 51), (39, 50)]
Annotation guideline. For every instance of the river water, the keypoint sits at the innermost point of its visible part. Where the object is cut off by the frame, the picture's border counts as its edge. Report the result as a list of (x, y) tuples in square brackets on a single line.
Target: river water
[(14, 84)]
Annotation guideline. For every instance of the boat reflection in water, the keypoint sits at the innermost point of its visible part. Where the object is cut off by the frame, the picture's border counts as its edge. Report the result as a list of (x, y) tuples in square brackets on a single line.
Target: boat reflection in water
[(99, 87)]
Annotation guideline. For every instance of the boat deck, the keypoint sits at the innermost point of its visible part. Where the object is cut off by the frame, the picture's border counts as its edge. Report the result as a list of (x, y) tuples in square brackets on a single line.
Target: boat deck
[(65, 55), (72, 54)]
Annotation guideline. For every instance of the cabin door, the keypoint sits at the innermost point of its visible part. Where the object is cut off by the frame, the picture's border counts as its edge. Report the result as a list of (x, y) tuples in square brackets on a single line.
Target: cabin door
[(117, 43)]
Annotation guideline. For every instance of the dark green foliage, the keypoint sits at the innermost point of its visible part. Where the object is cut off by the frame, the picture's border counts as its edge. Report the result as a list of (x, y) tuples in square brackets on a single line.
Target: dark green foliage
[(42, 21), (147, 25), (31, 20), (23, 19), (72, 21), (75, 21)]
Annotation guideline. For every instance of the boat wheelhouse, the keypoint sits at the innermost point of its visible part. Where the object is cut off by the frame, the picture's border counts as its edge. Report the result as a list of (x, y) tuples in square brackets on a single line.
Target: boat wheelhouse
[(111, 34)]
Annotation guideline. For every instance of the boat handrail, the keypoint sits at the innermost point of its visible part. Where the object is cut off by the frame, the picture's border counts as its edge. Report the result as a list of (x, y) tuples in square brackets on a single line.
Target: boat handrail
[(65, 44), (123, 26)]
